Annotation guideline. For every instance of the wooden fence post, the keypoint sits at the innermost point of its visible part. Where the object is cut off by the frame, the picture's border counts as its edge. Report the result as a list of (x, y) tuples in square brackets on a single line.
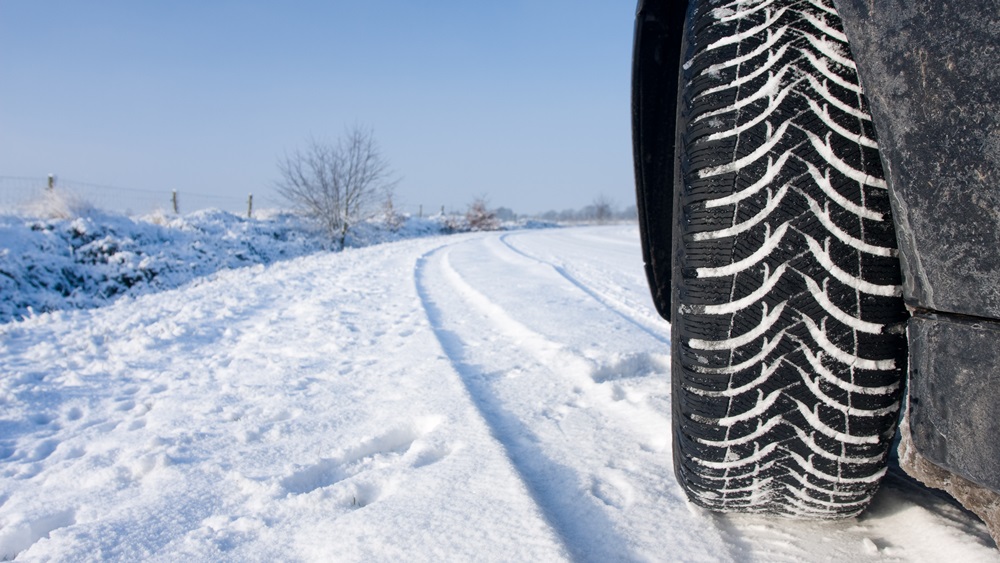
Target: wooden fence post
[(173, 198), (250, 207), (52, 182)]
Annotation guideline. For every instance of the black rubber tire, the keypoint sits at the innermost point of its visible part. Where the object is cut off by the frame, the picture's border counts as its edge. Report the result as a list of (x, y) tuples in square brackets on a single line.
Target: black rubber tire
[(788, 332)]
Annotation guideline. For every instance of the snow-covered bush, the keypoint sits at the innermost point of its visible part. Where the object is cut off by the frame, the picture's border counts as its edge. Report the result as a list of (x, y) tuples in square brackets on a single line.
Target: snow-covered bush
[(392, 218), (480, 218), (88, 260), (59, 204)]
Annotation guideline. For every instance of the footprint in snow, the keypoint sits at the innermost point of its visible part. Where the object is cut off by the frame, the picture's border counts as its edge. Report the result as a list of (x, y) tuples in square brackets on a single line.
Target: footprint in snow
[(613, 489), (125, 405), (42, 450), (631, 366), (40, 419), (369, 469)]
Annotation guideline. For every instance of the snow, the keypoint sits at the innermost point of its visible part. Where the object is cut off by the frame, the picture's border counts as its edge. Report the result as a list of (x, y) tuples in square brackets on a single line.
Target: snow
[(474, 397), (89, 259)]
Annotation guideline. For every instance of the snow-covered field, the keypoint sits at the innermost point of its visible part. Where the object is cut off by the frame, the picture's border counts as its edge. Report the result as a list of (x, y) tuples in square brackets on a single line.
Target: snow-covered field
[(486, 396)]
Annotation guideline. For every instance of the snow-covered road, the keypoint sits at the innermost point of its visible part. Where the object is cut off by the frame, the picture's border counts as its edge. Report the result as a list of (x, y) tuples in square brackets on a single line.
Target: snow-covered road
[(493, 396)]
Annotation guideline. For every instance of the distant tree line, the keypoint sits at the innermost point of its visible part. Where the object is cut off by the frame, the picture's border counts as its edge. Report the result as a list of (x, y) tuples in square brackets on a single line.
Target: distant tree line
[(601, 210)]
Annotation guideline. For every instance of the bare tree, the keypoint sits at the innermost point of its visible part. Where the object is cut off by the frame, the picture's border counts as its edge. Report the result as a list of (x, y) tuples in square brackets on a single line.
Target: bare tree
[(337, 184), (602, 209)]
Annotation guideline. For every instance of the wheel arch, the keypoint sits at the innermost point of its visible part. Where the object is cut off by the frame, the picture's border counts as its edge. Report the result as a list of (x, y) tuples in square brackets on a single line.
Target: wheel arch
[(656, 63)]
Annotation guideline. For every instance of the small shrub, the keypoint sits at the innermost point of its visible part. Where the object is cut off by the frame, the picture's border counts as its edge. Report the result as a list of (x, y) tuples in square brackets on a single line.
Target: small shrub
[(480, 218), (393, 219), (56, 204)]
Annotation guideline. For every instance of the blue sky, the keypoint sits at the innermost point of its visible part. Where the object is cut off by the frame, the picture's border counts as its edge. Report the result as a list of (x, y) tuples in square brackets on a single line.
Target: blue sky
[(526, 102)]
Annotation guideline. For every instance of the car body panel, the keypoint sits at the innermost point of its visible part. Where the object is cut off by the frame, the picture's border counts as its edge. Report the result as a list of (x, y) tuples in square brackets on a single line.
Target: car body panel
[(931, 73)]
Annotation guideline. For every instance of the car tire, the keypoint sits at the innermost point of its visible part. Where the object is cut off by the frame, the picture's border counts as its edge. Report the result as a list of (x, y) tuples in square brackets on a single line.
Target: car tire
[(788, 335)]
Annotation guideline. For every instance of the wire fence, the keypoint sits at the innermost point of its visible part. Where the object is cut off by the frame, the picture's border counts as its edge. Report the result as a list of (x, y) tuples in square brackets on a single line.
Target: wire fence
[(23, 194), (32, 194)]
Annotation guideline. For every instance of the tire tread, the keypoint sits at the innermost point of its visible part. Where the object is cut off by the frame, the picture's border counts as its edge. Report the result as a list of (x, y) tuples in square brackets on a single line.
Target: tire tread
[(817, 375)]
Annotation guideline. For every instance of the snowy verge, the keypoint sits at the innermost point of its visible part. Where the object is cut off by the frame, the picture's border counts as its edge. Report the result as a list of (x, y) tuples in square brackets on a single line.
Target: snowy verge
[(85, 258), (93, 259)]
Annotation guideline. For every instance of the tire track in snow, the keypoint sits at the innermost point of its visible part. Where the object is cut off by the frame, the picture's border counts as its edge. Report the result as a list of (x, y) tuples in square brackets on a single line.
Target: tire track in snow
[(607, 493), (605, 300), (538, 473)]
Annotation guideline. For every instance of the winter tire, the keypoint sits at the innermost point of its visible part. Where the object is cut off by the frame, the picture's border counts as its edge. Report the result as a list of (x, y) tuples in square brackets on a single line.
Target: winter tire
[(787, 316)]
